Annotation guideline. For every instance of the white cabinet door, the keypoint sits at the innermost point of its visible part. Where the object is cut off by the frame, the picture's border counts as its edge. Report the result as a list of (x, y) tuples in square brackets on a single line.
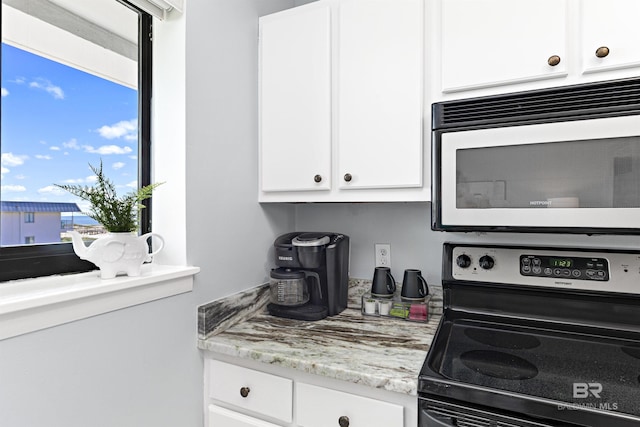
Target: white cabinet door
[(496, 42), (322, 407), (221, 417), (380, 92), (612, 24), (295, 99), (251, 390)]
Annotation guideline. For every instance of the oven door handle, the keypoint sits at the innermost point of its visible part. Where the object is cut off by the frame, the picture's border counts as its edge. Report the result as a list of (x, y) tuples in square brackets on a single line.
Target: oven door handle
[(429, 420)]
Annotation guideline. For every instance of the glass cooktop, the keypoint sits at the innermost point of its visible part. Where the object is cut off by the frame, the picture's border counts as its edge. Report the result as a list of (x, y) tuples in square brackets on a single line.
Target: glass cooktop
[(578, 370)]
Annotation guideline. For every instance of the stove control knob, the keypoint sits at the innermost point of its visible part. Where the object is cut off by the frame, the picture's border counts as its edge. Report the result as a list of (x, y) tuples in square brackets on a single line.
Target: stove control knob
[(486, 262), (463, 261)]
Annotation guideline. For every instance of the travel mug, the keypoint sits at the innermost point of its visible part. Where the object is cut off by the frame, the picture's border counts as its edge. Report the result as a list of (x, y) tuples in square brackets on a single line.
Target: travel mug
[(414, 286), (384, 285)]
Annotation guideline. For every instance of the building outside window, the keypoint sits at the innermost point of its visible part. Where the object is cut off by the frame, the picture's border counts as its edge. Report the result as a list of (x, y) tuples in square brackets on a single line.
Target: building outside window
[(75, 90), (17, 221)]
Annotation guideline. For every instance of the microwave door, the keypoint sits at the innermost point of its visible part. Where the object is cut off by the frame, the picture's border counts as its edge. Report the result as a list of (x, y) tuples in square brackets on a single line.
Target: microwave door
[(564, 175)]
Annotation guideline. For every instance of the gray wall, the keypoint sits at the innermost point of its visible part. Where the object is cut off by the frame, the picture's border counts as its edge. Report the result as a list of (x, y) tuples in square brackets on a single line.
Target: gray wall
[(140, 366), (229, 233), (406, 226), (130, 368)]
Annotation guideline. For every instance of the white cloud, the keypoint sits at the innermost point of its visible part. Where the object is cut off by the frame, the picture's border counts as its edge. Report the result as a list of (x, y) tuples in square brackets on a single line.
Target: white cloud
[(107, 149), (127, 129), (10, 159), (4, 92), (13, 188), (43, 157), (73, 181), (118, 165), (19, 80), (72, 143), (88, 180), (20, 176), (52, 189), (132, 184), (47, 86), (54, 148), (3, 170)]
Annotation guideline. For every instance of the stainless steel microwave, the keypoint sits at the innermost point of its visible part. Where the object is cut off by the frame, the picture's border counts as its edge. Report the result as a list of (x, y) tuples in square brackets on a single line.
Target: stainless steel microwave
[(561, 160)]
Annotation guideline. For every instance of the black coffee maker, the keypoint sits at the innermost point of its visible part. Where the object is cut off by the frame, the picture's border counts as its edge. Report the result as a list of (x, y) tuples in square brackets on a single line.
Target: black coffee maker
[(312, 278)]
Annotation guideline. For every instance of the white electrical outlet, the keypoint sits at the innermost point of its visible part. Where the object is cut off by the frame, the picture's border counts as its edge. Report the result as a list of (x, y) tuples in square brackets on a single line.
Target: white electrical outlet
[(383, 254)]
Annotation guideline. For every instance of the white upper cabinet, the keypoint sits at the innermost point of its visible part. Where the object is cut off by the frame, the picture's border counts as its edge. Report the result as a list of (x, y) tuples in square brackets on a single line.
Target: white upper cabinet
[(380, 77), (497, 42), (295, 99), (341, 103), (610, 34), (497, 46)]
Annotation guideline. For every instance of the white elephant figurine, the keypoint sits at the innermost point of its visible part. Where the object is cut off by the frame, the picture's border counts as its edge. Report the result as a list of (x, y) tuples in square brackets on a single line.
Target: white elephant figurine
[(117, 252)]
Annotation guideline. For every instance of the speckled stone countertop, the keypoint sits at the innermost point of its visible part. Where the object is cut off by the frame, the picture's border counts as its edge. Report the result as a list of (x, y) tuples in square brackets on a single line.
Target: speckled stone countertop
[(379, 352)]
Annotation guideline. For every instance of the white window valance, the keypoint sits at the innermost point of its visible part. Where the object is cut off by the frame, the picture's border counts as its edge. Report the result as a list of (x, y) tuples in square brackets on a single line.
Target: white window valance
[(159, 8)]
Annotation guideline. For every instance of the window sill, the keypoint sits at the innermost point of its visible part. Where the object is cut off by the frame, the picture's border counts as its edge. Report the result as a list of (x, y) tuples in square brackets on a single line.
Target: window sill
[(33, 304)]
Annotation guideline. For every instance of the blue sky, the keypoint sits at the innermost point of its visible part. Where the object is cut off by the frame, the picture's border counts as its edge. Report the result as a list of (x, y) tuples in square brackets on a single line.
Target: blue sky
[(55, 121)]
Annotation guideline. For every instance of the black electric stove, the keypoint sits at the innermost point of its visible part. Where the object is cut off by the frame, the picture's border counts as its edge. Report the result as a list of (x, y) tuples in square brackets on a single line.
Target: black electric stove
[(534, 336)]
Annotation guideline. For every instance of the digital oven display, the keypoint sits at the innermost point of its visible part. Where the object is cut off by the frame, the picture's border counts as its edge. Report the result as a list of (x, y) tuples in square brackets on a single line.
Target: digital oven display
[(561, 262), (570, 268)]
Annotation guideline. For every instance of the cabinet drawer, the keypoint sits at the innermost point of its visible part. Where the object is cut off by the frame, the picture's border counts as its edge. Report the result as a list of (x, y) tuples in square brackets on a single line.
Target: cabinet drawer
[(322, 407), (221, 417), (255, 391)]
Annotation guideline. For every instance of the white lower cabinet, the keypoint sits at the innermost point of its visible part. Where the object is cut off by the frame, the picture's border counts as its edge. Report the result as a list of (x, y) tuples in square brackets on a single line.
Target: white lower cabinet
[(221, 417), (323, 407), (250, 390), (237, 396)]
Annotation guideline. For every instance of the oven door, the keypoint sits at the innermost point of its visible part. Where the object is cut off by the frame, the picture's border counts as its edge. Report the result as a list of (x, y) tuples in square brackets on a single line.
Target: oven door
[(443, 413), (569, 176)]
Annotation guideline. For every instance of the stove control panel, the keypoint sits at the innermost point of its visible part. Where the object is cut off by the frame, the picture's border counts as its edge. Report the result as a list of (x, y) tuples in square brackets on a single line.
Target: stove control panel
[(556, 267), (564, 267)]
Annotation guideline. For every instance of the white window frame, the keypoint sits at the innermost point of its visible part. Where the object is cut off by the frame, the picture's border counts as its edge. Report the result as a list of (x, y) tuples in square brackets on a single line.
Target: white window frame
[(34, 304)]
